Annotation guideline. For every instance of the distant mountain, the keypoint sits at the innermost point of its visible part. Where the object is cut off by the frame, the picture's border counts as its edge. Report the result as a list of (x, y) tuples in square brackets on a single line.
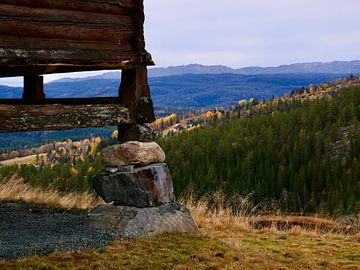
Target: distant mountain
[(344, 67), (336, 67), (191, 69), (188, 90), (339, 67)]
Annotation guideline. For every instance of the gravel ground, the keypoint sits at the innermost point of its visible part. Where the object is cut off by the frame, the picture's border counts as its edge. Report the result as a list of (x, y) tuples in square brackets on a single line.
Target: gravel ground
[(27, 230)]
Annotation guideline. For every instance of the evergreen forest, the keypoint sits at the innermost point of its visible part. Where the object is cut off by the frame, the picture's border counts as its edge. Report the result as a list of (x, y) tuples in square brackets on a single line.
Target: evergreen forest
[(303, 154)]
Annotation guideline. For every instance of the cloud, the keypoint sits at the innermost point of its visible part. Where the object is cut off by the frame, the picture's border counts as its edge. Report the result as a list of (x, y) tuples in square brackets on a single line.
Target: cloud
[(257, 32)]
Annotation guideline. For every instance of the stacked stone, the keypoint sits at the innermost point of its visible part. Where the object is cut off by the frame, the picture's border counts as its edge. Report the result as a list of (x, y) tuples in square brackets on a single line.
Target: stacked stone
[(135, 175), (138, 188)]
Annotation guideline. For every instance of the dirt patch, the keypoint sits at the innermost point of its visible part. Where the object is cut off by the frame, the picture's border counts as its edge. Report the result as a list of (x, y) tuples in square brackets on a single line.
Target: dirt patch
[(27, 230)]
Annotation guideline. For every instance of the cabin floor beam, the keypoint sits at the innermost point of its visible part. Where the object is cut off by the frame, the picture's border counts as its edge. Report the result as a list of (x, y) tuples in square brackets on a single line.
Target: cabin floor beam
[(14, 118)]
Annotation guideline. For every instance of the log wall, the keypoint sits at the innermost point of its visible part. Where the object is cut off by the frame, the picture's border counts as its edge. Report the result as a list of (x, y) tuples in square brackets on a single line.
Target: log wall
[(50, 36)]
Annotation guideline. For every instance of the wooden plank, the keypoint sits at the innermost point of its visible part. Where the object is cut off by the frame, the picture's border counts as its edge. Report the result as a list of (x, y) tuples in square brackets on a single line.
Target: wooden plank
[(28, 69), (63, 101), (101, 6), (14, 118), (19, 13), (70, 57), (64, 30), (123, 44)]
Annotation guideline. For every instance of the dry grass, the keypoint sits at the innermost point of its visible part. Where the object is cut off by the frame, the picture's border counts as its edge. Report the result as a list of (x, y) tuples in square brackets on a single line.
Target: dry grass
[(17, 190), (22, 160), (214, 212), (228, 240)]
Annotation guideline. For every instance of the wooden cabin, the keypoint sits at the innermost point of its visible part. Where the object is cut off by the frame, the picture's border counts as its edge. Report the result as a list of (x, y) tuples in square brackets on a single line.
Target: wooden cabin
[(57, 36)]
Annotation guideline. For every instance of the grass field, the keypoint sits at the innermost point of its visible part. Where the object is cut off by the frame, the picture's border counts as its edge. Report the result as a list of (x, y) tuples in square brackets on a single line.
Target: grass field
[(22, 160), (225, 242), (221, 248)]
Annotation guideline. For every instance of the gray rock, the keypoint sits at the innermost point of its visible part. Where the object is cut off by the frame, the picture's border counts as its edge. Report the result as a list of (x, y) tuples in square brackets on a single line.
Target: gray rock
[(132, 153), (143, 187), (131, 222), (136, 132), (129, 168), (111, 169)]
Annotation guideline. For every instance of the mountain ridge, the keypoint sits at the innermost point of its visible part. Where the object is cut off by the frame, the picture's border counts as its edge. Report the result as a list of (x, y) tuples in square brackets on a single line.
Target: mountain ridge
[(334, 67), (190, 90)]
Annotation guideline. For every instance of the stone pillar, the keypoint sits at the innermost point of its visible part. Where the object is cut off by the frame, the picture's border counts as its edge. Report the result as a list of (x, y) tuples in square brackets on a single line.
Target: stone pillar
[(138, 188)]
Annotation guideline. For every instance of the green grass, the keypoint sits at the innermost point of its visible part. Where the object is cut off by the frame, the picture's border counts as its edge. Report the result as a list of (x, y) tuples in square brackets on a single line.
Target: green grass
[(231, 248)]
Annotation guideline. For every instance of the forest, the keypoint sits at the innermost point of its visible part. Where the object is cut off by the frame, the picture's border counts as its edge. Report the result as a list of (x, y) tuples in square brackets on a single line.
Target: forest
[(305, 155), (301, 154)]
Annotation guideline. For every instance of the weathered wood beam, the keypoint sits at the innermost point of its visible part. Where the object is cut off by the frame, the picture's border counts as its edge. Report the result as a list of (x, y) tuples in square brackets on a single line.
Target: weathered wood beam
[(64, 44), (33, 88), (19, 56), (65, 17), (65, 30), (99, 6), (14, 118), (134, 92), (63, 101), (31, 69)]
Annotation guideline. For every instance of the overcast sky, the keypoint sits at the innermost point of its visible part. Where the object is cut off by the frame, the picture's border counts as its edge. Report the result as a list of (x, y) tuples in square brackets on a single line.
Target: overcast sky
[(241, 33)]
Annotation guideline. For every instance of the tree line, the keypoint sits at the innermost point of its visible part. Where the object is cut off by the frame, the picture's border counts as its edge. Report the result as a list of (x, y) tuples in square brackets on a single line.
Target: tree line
[(304, 154)]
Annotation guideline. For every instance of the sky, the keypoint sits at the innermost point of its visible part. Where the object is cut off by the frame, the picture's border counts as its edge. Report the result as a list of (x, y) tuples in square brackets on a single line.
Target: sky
[(240, 33)]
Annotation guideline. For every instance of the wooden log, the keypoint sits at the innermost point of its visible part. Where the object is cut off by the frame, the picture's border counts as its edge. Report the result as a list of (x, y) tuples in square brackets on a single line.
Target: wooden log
[(14, 118), (22, 69), (62, 101), (26, 14), (100, 6), (123, 44), (33, 57), (64, 31)]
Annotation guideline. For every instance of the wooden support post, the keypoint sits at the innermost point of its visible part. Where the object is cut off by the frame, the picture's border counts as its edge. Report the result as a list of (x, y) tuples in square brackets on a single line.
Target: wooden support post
[(33, 88), (135, 94)]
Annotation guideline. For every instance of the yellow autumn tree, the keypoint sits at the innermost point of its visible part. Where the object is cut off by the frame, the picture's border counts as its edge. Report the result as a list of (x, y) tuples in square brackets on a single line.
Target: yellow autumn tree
[(209, 115)]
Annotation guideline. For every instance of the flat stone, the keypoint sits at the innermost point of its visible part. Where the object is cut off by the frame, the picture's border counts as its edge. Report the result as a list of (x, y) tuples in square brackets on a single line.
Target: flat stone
[(143, 187), (137, 132), (129, 168), (132, 153), (132, 223)]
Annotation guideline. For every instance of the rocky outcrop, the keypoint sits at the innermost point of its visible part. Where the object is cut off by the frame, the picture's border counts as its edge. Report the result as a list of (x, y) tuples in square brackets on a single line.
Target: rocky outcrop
[(132, 153), (140, 187), (132, 222)]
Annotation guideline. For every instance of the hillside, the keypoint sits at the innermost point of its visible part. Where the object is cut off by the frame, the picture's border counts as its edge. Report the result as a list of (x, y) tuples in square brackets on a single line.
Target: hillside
[(244, 175), (303, 153)]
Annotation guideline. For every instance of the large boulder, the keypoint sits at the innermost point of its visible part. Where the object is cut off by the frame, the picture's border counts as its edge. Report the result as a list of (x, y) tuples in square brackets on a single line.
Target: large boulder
[(140, 187), (131, 222), (132, 153)]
